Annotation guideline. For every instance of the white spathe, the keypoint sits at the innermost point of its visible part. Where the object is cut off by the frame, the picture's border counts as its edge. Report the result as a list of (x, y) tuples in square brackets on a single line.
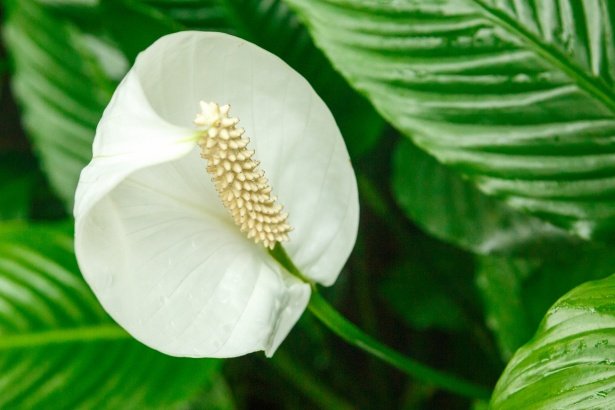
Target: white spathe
[(153, 239)]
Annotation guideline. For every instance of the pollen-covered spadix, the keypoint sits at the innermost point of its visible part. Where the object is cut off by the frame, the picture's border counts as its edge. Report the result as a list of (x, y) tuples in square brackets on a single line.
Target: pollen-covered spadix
[(242, 185), (153, 239)]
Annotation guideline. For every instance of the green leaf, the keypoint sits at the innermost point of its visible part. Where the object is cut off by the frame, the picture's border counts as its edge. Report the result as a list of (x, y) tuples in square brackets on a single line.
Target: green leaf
[(422, 300), (570, 361), (517, 95), (60, 350), (517, 292), (61, 88), (17, 180), (500, 282), (146, 25), (452, 209), (313, 388), (216, 396), (560, 272)]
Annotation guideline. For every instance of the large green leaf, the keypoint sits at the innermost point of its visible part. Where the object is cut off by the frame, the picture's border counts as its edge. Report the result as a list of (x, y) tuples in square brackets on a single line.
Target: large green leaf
[(451, 208), (58, 349), (517, 95), (61, 89), (570, 361)]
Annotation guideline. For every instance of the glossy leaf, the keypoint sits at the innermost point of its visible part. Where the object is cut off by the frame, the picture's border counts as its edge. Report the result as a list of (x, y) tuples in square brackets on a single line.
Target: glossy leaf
[(570, 362), (453, 209), (60, 350), (516, 95)]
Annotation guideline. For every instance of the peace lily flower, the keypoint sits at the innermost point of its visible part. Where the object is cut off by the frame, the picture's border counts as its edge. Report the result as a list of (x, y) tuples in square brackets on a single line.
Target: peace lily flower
[(175, 214)]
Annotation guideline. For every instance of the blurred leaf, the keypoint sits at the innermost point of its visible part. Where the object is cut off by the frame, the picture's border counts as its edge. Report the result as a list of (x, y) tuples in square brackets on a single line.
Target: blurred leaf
[(17, 181), (561, 272), (570, 362), (452, 209), (4, 66), (305, 382), (517, 292), (519, 96), (214, 15), (216, 396), (60, 87), (480, 405), (418, 296), (67, 4), (134, 26), (500, 283), (432, 289), (84, 10), (60, 350)]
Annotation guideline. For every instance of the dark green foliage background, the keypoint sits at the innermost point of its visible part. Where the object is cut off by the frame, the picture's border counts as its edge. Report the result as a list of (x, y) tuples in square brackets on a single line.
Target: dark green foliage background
[(483, 148)]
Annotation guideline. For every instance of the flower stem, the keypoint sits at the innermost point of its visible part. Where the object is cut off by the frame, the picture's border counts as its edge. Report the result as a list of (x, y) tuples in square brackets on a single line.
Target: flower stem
[(356, 337), (353, 335), (279, 254)]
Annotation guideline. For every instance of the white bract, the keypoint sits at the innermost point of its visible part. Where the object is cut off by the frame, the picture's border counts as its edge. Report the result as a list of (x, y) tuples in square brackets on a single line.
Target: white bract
[(153, 238)]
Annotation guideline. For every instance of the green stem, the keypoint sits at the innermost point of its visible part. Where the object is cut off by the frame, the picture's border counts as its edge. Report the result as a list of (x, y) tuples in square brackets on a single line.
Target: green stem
[(356, 337), (353, 335), (279, 254)]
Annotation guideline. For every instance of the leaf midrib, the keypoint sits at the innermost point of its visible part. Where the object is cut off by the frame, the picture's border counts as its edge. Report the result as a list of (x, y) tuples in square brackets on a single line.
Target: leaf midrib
[(593, 86), (96, 333)]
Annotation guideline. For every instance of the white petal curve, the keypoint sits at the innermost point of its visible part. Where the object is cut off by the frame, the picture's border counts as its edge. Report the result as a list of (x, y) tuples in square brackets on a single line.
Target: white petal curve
[(180, 278), (129, 136), (145, 200)]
